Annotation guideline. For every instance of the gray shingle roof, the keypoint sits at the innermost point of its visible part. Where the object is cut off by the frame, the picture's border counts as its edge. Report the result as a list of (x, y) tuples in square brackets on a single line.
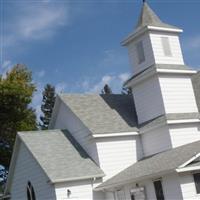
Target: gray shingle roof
[(60, 156), (103, 113), (158, 66), (158, 164), (149, 18), (171, 116)]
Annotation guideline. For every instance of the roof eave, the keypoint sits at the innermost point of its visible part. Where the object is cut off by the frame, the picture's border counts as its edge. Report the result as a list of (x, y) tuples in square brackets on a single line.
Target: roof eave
[(142, 30), (76, 178), (139, 179)]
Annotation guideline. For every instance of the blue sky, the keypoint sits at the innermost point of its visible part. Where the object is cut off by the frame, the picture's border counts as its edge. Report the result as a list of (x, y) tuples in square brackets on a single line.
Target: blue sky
[(75, 45)]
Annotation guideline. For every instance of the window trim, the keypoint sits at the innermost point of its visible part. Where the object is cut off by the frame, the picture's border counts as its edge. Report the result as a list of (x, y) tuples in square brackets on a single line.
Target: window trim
[(30, 192), (197, 189), (160, 180)]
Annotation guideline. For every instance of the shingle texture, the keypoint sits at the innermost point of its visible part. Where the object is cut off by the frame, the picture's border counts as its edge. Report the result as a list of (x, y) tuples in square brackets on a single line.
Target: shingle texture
[(149, 18), (158, 66), (172, 116), (103, 113), (161, 163), (59, 155)]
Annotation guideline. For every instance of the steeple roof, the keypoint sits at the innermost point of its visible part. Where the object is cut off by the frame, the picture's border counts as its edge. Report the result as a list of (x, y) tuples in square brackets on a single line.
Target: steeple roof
[(149, 18)]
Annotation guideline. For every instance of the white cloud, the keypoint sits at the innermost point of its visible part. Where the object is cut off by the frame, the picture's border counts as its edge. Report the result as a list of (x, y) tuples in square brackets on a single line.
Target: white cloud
[(6, 67), (37, 99), (96, 88), (60, 87), (35, 21), (114, 81), (124, 76)]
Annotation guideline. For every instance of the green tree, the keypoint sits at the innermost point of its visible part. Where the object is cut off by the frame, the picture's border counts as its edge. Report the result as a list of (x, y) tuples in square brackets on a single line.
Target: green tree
[(48, 101), (106, 89), (16, 92)]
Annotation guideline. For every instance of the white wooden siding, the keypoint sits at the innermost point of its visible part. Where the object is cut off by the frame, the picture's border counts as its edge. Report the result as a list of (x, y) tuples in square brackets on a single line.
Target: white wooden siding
[(27, 169), (115, 154), (80, 190), (156, 140), (188, 187), (171, 187), (184, 133), (178, 94), (160, 58), (148, 99), (170, 183), (132, 51), (109, 196)]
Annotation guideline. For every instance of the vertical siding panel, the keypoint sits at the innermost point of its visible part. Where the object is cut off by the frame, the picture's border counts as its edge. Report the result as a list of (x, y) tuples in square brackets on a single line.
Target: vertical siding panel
[(148, 99), (27, 169), (178, 94)]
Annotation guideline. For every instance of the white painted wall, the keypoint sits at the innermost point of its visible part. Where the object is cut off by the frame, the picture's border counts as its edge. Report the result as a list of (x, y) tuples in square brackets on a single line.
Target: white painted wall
[(156, 140), (117, 153), (170, 183), (27, 169), (112, 154), (184, 133), (188, 187), (148, 99), (149, 59), (160, 58), (80, 190), (178, 94)]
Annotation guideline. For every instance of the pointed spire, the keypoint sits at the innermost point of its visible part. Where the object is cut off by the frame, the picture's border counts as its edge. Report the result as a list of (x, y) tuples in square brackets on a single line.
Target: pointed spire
[(149, 18)]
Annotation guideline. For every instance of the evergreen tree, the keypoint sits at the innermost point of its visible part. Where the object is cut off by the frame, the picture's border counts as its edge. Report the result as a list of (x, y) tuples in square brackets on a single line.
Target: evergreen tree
[(16, 92), (47, 105), (106, 89)]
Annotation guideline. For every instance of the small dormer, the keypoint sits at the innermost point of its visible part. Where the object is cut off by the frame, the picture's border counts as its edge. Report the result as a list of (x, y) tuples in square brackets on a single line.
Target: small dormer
[(153, 42)]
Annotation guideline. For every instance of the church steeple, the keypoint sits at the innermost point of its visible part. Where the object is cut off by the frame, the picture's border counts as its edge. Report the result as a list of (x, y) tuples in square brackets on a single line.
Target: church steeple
[(161, 83), (153, 42), (149, 18)]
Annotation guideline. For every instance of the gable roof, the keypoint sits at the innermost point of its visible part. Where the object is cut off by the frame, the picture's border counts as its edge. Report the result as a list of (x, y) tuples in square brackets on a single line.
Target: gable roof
[(60, 156), (149, 18), (156, 165), (101, 114)]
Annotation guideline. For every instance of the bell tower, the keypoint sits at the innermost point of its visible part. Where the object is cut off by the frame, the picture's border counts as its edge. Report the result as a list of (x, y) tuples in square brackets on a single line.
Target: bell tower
[(153, 42), (161, 81)]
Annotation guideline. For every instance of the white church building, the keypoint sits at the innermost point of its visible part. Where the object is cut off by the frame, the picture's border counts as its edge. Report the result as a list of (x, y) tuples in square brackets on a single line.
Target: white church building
[(144, 146)]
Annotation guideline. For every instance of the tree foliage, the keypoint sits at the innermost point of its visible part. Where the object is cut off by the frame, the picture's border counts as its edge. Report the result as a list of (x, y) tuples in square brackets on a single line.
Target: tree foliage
[(47, 105), (16, 92), (106, 89)]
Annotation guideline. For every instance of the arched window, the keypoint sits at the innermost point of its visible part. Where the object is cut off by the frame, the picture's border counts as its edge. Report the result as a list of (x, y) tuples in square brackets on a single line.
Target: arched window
[(30, 192)]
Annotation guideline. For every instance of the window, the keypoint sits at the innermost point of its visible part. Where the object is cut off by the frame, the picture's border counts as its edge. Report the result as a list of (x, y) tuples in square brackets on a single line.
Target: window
[(166, 46), (30, 192), (140, 52), (158, 190), (197, 182)]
